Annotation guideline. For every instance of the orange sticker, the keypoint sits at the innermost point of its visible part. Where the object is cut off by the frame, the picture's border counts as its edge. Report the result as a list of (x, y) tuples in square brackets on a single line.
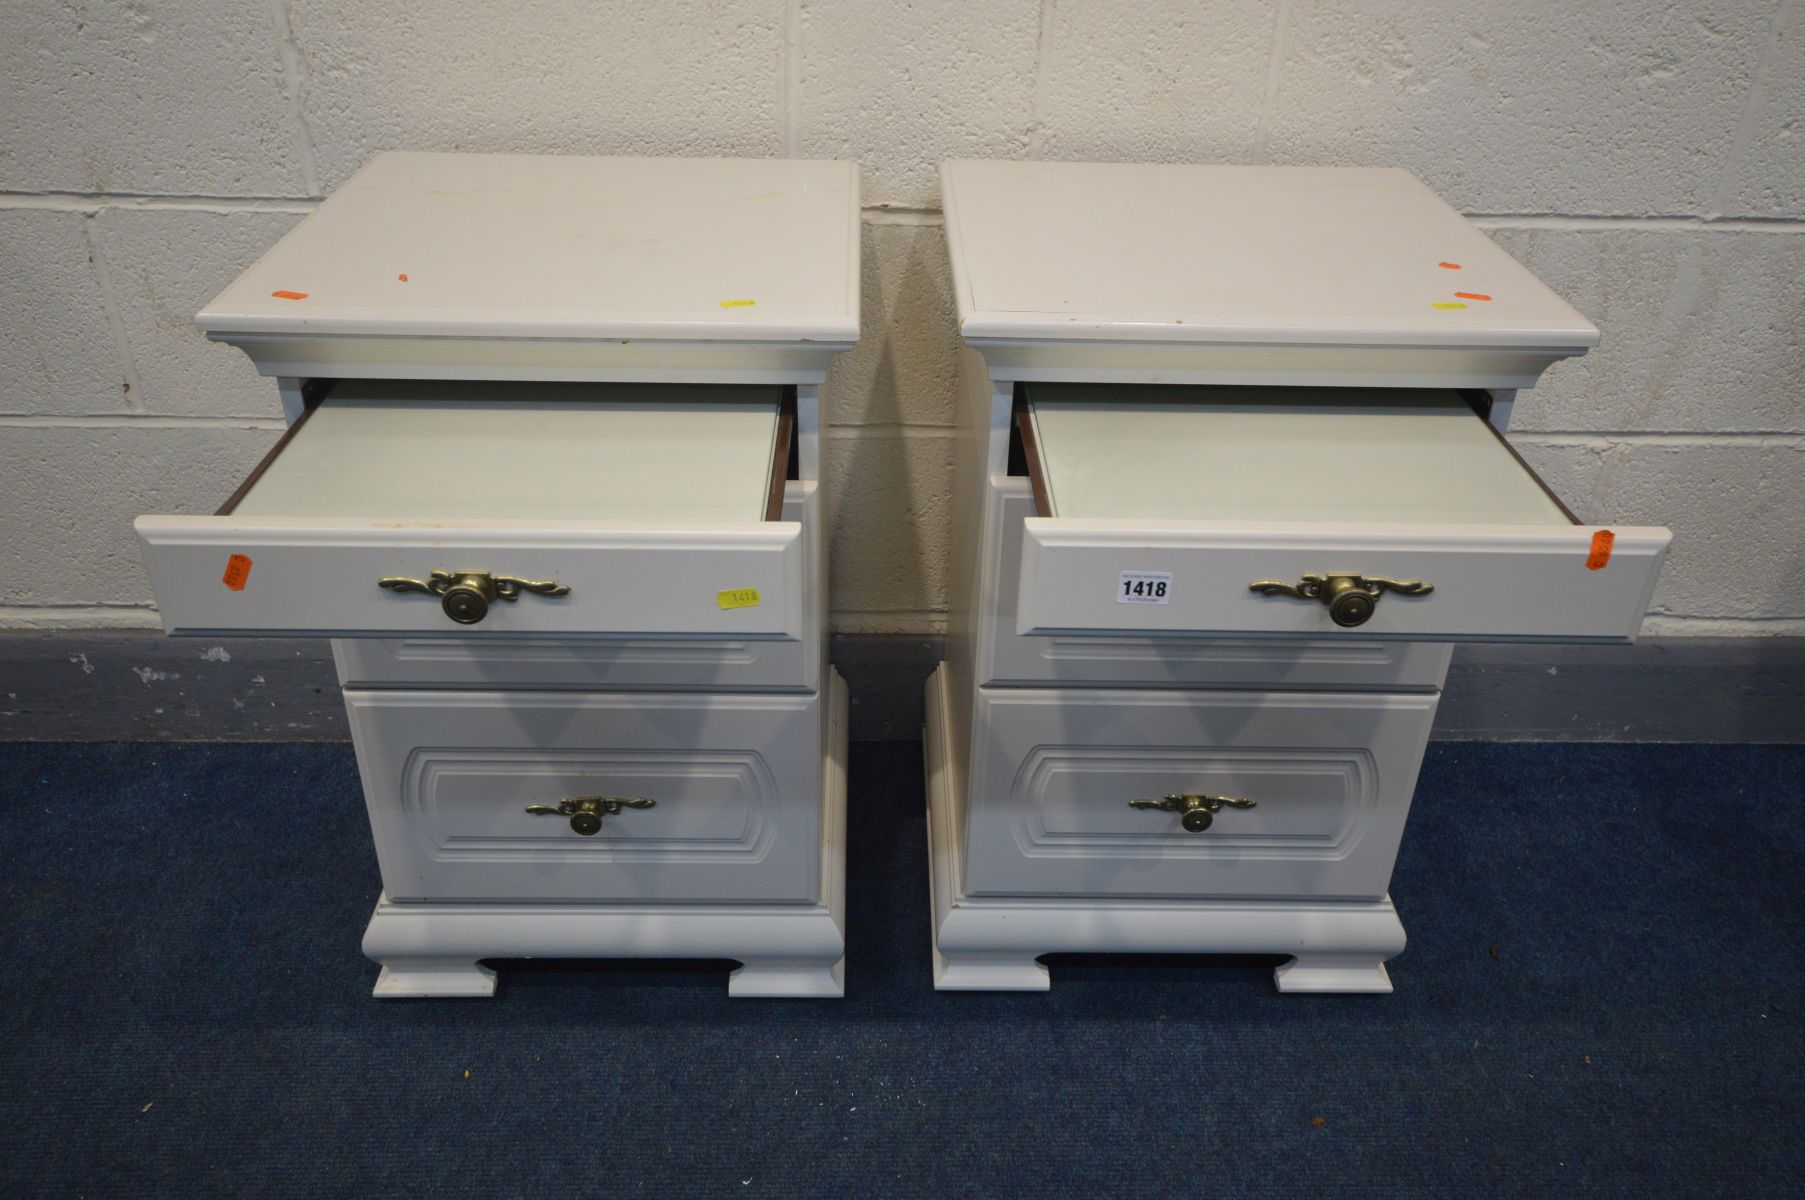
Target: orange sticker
[(238, 570), (1449, 266), (1472, 295), (1601, 550), (402, 278), (289, 295)]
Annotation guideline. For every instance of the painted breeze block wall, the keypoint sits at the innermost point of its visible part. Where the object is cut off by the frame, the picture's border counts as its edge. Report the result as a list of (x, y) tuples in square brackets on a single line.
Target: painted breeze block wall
[(1645, 157)]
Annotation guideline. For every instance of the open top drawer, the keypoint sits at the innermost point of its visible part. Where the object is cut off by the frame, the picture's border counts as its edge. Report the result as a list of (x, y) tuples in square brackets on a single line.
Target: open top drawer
[(1307, 512), (493, 509)]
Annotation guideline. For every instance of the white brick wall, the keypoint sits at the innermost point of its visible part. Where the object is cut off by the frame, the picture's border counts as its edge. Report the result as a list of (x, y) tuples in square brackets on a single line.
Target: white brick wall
[(1645, 157)]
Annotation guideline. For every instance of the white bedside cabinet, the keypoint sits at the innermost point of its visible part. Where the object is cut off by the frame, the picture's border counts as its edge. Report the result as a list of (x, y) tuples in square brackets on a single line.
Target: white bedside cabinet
[(552, 483), (1231, 479)]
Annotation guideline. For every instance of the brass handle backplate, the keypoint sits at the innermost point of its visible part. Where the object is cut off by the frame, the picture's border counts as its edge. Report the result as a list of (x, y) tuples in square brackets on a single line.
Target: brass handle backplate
[(466, 595), (1196, 813), (586, 812), (1350, 598)]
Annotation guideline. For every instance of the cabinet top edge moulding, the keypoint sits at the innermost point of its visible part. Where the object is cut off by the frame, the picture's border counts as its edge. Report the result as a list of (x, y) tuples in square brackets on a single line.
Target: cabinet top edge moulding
[(430, 265), (1347, 276)]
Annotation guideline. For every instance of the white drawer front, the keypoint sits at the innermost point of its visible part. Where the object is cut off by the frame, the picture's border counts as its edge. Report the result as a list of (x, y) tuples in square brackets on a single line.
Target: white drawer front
[(1176, 660), (1206, 510), (320, 577), (644, 510), (1491, 583), (601, 664), (1053, 773), (735, 781)]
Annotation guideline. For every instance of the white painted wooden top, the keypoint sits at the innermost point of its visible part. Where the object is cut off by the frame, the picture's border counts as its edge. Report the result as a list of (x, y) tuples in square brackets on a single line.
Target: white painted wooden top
[(1250, 454), (1288, 255), (597, 453), (541, 246)]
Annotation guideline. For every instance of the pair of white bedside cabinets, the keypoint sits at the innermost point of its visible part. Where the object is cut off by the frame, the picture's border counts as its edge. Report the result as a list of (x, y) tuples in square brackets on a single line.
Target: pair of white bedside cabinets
[(1229, 484)]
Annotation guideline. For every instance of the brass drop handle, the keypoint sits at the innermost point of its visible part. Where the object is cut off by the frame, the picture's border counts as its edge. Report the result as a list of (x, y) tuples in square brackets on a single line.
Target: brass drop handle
[(586, 812), (466, 595), (1351, 598), (1196, 813)]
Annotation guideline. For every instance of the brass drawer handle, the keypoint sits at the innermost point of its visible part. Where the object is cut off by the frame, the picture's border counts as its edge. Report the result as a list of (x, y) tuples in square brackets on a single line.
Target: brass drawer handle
[(1351, 598), (586, 812), (1196, 813), (466, 595)]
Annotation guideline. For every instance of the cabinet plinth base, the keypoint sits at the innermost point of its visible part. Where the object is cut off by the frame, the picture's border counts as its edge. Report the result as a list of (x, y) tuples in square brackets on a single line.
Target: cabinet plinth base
[(991, 943), (1333, 973), (432, 949), (434, 977), (1018, 972), (800, 978)]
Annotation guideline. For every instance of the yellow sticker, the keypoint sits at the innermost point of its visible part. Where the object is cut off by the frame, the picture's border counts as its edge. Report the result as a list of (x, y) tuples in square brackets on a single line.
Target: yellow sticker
[(1448, 304), (737, 598), (738, 303)]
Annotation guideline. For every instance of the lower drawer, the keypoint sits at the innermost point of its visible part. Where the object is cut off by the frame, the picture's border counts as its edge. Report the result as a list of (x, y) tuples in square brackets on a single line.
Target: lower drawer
[(734, 781), (1006, 656), (1053, 774)]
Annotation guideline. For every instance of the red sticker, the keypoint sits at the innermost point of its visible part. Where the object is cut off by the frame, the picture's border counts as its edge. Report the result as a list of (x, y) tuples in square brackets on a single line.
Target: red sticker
[(1472, 295), (1601, 550), (238, 570)]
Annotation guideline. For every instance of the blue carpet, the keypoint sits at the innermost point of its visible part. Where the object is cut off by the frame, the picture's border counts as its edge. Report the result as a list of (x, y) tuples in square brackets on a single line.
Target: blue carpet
[(1601, 996)]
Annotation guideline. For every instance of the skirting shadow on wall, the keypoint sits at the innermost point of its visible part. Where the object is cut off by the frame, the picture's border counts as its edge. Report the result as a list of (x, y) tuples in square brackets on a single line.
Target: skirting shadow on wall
[(138, 685)]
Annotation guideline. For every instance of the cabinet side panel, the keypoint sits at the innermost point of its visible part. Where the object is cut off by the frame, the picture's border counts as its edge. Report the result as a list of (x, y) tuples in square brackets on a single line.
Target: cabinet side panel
[(980, 447)]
